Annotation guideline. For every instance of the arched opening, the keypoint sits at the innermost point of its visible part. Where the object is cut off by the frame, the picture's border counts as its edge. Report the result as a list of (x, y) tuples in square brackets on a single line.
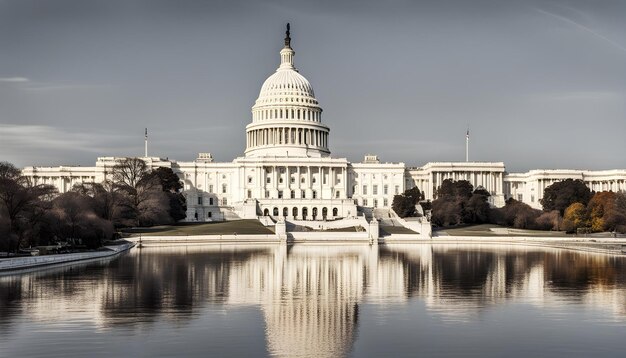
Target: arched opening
[(285, 212), (324, 213), (335, 212), (294, 212), (275, 212), (305, 213), (266, 212), (314, 213)]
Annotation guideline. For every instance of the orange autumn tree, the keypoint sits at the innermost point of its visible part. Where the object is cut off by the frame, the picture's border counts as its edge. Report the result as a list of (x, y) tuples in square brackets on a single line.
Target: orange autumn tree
[(600, 207), (575, 217)]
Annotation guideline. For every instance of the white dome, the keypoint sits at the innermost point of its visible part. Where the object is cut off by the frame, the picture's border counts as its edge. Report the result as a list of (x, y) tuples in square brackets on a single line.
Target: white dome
[(286, 117), (285, 85)]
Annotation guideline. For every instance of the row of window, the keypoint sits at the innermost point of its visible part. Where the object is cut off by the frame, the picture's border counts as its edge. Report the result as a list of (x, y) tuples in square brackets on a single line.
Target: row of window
[(292, 180), (292, 194), (305, 212), (375, 202), (224, 201), (375, 189)]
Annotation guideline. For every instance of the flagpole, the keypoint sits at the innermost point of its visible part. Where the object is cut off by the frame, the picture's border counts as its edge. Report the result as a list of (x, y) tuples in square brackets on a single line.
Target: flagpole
[(467, 146)]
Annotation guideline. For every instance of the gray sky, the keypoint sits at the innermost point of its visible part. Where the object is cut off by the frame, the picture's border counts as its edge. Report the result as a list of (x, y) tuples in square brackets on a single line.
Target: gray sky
[(542, 84)]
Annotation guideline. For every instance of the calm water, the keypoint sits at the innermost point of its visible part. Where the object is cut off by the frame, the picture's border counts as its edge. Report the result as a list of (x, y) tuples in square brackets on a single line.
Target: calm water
[(325, 301)]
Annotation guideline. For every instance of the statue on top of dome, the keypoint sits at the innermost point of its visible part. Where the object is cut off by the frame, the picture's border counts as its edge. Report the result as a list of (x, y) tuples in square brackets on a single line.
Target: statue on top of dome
[(287, 38)]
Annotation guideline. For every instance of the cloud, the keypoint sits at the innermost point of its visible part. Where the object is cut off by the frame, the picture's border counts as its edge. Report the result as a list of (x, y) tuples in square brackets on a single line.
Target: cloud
[(18, 139), (14, 79), (63, 87), (583, 28)]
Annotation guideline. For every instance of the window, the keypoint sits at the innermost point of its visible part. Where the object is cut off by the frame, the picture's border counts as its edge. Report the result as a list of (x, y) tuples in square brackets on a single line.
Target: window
[(211, 188), (397, 190), (280, 180), (364, 192), (250, 180), (314, 194), (267, 194), (224, 189), (385, 202), (375, 190), (224, 201), (375, 203), (385, 190), (268, 180), (293, 195), (280, 194), (532, 198), (210, 201), (303, 194), (199, 200), (520, 197), (302, 180), (313, 180), (364, 202), (293, 180), (249, 194), (337, 194), (209, 214)]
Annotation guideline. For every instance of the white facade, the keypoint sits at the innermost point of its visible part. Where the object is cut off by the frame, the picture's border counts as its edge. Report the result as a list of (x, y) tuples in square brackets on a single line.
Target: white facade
[(287, 170)]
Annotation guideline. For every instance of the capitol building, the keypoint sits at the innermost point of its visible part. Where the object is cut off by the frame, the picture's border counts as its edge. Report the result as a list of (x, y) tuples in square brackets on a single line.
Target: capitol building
[(287, 169)]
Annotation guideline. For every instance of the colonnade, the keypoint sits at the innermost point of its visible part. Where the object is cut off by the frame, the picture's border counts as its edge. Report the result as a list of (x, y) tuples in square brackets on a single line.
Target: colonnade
[(491, 181), (287, 135), (607, 185), (305, 114), (308, 181)]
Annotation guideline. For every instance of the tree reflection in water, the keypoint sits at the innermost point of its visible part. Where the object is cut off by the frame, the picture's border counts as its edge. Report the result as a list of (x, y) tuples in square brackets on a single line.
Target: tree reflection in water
[(310, 295)]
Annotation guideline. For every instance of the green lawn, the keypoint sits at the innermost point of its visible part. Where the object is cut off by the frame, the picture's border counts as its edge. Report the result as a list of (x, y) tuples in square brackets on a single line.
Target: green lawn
[(242, 227)]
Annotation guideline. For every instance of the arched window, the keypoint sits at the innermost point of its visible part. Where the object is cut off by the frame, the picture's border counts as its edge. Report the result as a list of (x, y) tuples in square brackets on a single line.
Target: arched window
[(314, 213), (285, 212), (305, 212), (294, 212), (275, 212), (266, 212), (293, 194), (335, 211), (324, 213)]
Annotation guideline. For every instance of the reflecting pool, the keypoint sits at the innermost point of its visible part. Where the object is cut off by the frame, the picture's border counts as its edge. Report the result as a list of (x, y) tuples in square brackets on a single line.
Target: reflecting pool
[(321, 301)]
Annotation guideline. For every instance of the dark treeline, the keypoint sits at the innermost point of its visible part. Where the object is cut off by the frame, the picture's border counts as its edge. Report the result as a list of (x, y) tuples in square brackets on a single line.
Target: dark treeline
[(568, 205), (90, 213)]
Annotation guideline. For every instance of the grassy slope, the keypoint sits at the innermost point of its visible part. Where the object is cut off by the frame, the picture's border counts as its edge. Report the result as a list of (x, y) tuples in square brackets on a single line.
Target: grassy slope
[(241, 227)]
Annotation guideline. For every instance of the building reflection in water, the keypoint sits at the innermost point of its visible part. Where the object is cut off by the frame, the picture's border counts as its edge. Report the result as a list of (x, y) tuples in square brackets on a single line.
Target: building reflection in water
[(310, 295)]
